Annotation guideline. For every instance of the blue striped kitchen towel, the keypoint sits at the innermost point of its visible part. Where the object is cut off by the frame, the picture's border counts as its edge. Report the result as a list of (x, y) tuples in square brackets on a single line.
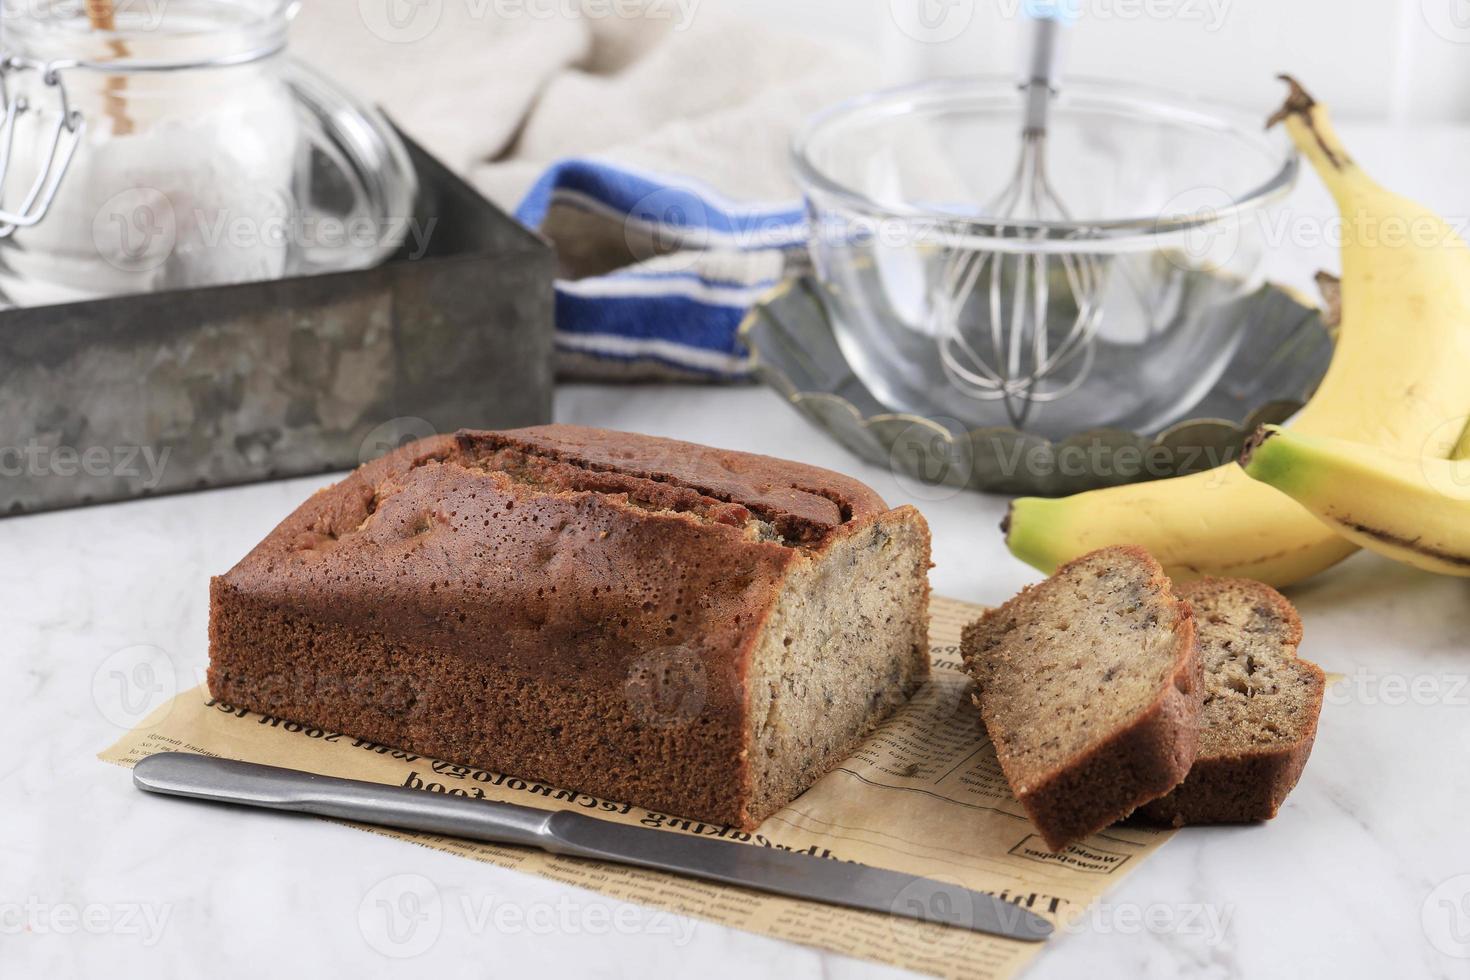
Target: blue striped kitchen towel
[(657, 271)]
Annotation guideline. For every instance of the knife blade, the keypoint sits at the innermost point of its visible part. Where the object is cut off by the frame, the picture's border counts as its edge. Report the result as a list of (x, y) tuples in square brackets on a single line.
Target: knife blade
[(766, 869)]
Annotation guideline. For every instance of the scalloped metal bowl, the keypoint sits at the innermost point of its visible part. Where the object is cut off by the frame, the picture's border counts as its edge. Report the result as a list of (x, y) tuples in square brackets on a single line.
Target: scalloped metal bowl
[(1284, 355)]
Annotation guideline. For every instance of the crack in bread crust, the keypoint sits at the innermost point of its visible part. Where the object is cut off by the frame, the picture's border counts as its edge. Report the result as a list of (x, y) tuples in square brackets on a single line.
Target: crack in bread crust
[(780, 493)]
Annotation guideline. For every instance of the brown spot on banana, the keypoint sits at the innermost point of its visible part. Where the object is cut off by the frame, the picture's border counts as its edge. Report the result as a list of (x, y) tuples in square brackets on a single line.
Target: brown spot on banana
[(1299, 102), (1408, 544)]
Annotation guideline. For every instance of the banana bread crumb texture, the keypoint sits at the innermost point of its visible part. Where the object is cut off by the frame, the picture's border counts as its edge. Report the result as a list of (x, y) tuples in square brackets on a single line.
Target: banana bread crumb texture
[(1088, 685), (1260, 712)]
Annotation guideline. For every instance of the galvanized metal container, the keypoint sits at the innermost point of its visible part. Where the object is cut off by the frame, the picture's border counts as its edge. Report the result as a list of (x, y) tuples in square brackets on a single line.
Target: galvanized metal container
[(170, 391)]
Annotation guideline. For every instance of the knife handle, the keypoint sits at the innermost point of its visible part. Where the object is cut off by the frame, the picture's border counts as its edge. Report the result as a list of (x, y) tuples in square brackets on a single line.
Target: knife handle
[(249, 784)]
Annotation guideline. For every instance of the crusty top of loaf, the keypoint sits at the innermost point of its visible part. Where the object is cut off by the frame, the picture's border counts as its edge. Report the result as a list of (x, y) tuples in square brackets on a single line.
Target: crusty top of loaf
[(803, 503), (598, 545), (777, 489)]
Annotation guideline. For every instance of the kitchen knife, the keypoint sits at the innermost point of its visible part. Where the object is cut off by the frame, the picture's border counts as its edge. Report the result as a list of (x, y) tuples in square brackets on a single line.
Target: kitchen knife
[(561, 832)]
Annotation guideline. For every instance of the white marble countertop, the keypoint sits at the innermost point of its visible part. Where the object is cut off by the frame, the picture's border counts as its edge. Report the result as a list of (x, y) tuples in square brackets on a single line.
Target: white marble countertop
[(1366, 872)]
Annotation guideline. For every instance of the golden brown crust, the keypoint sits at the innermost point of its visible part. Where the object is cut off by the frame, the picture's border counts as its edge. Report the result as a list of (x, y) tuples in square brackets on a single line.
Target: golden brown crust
[(762, 483), (496, 598)]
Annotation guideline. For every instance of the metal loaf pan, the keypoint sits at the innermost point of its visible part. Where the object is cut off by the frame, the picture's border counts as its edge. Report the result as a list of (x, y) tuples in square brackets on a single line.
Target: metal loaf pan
[(163, 392)]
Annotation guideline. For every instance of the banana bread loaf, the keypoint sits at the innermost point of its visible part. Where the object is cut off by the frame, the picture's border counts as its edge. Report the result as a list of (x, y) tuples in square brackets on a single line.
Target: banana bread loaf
[(1260, 711), (700, 632), (1088, 684)]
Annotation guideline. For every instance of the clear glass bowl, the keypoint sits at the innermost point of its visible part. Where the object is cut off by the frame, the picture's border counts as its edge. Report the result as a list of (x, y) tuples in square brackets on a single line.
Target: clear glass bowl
[(1166, 199), (204, 154)]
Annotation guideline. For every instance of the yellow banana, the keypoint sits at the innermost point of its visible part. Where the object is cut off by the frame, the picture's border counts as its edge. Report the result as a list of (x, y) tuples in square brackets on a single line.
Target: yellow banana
[(1413, 509), (1396, 381)]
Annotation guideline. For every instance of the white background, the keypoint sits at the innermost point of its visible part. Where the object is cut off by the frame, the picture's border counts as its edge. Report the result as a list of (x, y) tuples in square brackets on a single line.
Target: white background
[(1388, 60)]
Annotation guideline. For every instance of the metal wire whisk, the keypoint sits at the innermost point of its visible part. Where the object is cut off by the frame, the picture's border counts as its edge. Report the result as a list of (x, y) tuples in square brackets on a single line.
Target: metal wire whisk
[(1016, 358)]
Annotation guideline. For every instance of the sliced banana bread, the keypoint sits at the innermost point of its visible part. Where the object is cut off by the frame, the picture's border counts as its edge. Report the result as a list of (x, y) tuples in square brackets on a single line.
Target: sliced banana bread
[(1260, 709), (1088, 684)]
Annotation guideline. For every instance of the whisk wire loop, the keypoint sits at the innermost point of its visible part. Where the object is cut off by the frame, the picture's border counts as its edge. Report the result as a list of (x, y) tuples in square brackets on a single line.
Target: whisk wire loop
[(1020, 361)]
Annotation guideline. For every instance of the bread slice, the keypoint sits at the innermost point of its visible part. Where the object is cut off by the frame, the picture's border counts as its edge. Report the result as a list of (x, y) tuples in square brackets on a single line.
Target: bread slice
[(1260, 708), (1088, 684)]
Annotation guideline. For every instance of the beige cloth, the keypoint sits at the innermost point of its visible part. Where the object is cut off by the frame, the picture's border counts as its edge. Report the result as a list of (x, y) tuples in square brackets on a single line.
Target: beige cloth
[(499, 89)]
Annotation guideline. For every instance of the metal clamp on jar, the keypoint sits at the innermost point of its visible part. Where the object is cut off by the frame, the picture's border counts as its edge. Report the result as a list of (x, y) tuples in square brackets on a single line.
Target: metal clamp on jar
[(55, 147), (194, 150)]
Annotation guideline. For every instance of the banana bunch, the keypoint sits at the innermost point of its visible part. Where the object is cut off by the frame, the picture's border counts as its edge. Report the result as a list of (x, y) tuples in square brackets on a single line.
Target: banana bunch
[(1415, 509), (1395, 383)]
